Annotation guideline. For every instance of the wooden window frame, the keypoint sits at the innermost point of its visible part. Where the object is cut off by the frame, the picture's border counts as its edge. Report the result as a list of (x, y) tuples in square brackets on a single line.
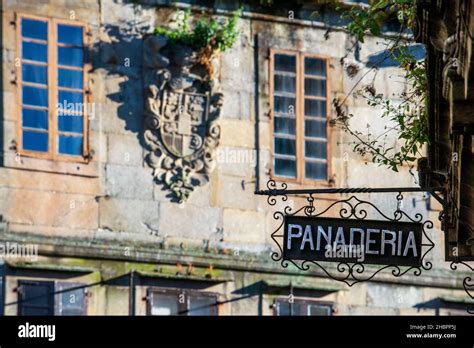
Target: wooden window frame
[(182, 307), (57, 285), (302, 301), (61, 287), (52, 86), (49, 297), (299, 118)]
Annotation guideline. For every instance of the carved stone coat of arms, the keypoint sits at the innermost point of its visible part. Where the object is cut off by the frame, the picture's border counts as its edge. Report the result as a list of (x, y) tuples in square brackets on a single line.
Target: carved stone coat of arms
[(182, 108)]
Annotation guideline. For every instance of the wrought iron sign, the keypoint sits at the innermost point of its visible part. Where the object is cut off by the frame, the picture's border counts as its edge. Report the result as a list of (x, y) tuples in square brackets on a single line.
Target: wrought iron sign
[(348, 248), (367, 241), (181, 118), (468, 282)]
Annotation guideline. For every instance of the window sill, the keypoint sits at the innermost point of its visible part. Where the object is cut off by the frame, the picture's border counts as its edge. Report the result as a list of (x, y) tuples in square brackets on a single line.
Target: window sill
[(294, 184), (305, 184), (90, 169)]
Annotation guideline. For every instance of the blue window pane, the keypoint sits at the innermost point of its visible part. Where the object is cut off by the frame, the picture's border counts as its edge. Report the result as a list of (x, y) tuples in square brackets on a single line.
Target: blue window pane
[(70, 100), (35, 96), (315, 128), (34, 73), (69, 34), (34, 51), (34, 29), (35, 141), (70, 78), (285, 63), (70, 56), (313, 107), (285, 105), (70, 123), (70, 145), (35, 118), (316, 171), (285, 310), (315, 66), (284, 125), (315, 87), (285, 146), (282, 83), (284, 167), (315, 149)]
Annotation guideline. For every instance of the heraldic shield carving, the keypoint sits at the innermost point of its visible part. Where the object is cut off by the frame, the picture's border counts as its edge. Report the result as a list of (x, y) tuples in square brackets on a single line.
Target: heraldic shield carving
[(182, 108)]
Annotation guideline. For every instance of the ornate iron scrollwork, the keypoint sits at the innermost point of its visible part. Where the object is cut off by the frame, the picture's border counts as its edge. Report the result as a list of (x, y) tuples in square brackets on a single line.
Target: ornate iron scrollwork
[(468, 282), (355, 208), (349, 208)]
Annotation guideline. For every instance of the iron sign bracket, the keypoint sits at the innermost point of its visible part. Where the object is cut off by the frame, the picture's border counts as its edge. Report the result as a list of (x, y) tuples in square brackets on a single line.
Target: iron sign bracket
[(438, 193), (273, 191), (353, 207)]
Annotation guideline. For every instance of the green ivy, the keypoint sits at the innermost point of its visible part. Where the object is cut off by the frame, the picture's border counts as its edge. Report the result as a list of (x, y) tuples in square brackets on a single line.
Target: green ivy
[(207, 32)]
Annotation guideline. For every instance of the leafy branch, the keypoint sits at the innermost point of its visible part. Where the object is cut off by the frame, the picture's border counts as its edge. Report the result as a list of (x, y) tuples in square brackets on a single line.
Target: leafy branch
[(408, 117)]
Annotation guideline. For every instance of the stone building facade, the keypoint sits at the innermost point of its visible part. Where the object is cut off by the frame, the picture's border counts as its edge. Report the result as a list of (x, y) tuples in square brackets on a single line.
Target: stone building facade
[(447, 31), (108, 228)]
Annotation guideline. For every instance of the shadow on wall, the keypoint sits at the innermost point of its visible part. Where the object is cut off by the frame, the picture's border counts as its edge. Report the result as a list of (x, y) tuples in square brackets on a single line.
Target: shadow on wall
[(117, 58), (119, 55), (260, 288), (253, 290), (385, 59), (457, 305)]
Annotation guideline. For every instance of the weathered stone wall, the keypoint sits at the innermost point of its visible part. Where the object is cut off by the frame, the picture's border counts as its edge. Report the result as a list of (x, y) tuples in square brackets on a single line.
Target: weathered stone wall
[(114, 196), (113, 203), (240, 290)]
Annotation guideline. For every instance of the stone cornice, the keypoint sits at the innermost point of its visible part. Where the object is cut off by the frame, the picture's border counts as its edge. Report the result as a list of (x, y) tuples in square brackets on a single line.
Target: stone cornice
[(245, 262)]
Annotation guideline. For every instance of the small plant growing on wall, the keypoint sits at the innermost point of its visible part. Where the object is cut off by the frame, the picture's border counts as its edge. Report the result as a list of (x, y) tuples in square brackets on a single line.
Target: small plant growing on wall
[(209, 37)]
